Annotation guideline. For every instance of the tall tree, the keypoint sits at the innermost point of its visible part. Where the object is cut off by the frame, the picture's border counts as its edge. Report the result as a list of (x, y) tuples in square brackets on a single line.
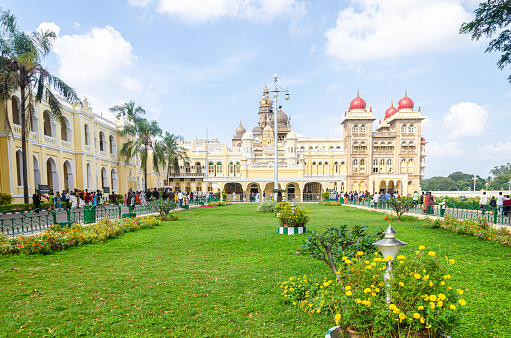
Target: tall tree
[(20, 68), (173, 152), (142, 137), (491, 18)]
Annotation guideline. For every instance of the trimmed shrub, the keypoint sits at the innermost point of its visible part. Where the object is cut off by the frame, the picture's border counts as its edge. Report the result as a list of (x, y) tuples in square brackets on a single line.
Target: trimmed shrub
[(267, 206), (5, 198)]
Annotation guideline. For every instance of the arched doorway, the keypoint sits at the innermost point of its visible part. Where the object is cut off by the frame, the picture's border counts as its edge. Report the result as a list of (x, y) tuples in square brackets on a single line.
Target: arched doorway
[(113, 180), (104, 177), (268, 189), (52, 175), (37, 173), (252, 190), (312, 191), (391, 187), (68, 176), (236, 188), (292, 191)]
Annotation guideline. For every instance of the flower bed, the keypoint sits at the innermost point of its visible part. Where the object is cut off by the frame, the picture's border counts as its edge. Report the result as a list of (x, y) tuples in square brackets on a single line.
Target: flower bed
[(480, 229), (423, 298), (57, 237), (291, 217)]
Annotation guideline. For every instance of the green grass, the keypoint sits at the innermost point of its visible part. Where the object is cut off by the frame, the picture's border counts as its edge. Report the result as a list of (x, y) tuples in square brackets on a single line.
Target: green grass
[(216, 273)]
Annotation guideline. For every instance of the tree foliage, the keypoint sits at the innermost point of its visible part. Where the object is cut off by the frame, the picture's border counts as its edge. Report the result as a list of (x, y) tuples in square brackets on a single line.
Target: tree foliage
[(400, 207), (504, 169), (491, 19)]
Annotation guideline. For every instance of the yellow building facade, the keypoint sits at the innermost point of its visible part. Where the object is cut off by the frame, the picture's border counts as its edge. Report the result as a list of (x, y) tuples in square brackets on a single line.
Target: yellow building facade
[(84, 153), (81, 153)]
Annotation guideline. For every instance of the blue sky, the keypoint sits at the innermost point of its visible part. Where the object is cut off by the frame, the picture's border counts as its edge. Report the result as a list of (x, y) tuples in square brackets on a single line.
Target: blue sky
[(200, 64)]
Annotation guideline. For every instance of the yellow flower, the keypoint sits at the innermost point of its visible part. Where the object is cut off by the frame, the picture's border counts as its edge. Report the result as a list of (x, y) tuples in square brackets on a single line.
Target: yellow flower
[(318, 310), (344, 258), (428, 326), (451, 261), (460, 291), (416, 315), (422, 247), (348, 293), (431, 253), (440, 303), (396, 311), (360, 253), (447, 277), (432, 305), (462, 302), (358, 301), (426, 277), (453, 307), (441, 296), (325, 284), (430, 283), (432, 297), (422, 320), (442, 283), (417, 276), (402, 316), (367, 290), (377, 289), (337, 317), (348, 288), (347, 261), (421, 308), (392, 307), (400, 257)]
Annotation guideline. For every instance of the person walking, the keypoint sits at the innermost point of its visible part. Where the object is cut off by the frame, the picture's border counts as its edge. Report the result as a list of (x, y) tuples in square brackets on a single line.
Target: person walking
[(483, 203), (143, 199), (37, 201), (500, 202), (234, 197), (58, 200)]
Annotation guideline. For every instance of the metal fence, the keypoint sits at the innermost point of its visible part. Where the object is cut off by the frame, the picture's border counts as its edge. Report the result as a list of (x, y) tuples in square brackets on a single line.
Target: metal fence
[(460, 211)]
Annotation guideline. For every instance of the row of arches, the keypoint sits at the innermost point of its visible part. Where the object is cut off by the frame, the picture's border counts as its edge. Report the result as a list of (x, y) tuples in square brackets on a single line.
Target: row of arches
[(102, 140), (52, 174)]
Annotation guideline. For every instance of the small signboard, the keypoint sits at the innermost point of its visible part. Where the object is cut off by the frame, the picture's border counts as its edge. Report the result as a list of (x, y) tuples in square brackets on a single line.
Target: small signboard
[(44, 188), (106, 190)]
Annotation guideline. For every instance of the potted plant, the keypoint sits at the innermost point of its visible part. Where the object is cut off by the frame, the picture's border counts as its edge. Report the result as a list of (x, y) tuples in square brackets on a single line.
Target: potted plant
[(292, 219)]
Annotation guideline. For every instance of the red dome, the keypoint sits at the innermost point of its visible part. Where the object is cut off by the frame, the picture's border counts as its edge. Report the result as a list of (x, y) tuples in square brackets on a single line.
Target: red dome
[(405, 102), (423, 139), (391, 111), (358, 103)]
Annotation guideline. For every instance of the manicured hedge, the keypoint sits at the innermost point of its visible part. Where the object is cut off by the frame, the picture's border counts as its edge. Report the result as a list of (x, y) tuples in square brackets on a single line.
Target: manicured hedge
[(22, 207)]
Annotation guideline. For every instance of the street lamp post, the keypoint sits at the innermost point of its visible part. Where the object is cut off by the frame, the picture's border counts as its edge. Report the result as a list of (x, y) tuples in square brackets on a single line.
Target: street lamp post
[(276, 90), (389, 247), (509, 186), (475, 180)]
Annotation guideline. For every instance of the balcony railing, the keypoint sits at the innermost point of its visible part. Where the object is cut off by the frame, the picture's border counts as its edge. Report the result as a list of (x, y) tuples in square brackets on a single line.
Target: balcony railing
[(187, 174), (49, 140)]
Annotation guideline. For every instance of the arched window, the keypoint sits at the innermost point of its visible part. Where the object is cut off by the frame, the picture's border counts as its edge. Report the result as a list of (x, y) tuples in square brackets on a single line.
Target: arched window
[(362, 166), (376, 146), (410, 166), (19, 167), (403, 166), (355, 162), (231, 167), (403, 129), (389, 162), (238, 168), (198, 168), (338, 147), (87, 134), (403, 146), (363, 146), (101, 141), (355, 129), (411, 128), (49, 124), (311, 148), (382, 162), (375, 166), (112, 144), (302, 148), (219, 168), (211, 167), (331, 148), (355, 166), (355, 146), (411, 146), (363, 129), (16, 117), (336, 167), (390, 146)]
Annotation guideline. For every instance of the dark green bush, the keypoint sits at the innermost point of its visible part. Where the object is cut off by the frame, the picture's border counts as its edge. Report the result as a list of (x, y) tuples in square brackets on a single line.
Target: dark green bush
[(5, 199), (22, 207)]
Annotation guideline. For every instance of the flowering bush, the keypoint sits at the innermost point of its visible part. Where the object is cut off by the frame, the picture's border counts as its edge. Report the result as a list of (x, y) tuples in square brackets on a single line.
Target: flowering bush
[(267, 206), (480, 229), (423, 299), (58, 238), (291, 217)]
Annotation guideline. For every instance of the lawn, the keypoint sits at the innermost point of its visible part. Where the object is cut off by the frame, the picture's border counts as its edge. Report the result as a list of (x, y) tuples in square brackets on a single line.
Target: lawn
[(216, 273)]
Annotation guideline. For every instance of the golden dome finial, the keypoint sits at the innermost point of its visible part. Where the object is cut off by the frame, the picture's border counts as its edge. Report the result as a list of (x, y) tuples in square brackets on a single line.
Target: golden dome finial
[(358, 95), (392, 103), (406, 95)]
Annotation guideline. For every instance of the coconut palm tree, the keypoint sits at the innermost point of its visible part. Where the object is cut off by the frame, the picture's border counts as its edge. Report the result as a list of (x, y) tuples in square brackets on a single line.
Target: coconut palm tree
[(20, 68), (142, 137), (173, 152)]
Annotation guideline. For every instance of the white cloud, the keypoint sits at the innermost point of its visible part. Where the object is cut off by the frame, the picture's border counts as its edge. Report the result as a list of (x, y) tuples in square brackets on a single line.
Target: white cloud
[(495, 150), (97, 63), (332, 86), (312, 49), (197, 11), (45, 26), (393, 28), (466, 119), (447, 149), (141, 3)]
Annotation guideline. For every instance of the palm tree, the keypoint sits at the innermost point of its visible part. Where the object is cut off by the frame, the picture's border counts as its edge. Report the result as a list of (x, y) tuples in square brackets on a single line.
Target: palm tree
[(144, 137), (20, 67), (173, 152)]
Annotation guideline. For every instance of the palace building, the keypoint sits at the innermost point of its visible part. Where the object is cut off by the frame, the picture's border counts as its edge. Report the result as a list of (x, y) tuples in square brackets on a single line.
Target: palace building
[(84, 153), (392, 158)]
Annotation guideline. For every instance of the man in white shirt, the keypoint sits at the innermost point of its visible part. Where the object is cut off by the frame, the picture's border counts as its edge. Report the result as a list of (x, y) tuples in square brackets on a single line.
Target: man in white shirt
[(376, 198), (483, 203), (500, 201)]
